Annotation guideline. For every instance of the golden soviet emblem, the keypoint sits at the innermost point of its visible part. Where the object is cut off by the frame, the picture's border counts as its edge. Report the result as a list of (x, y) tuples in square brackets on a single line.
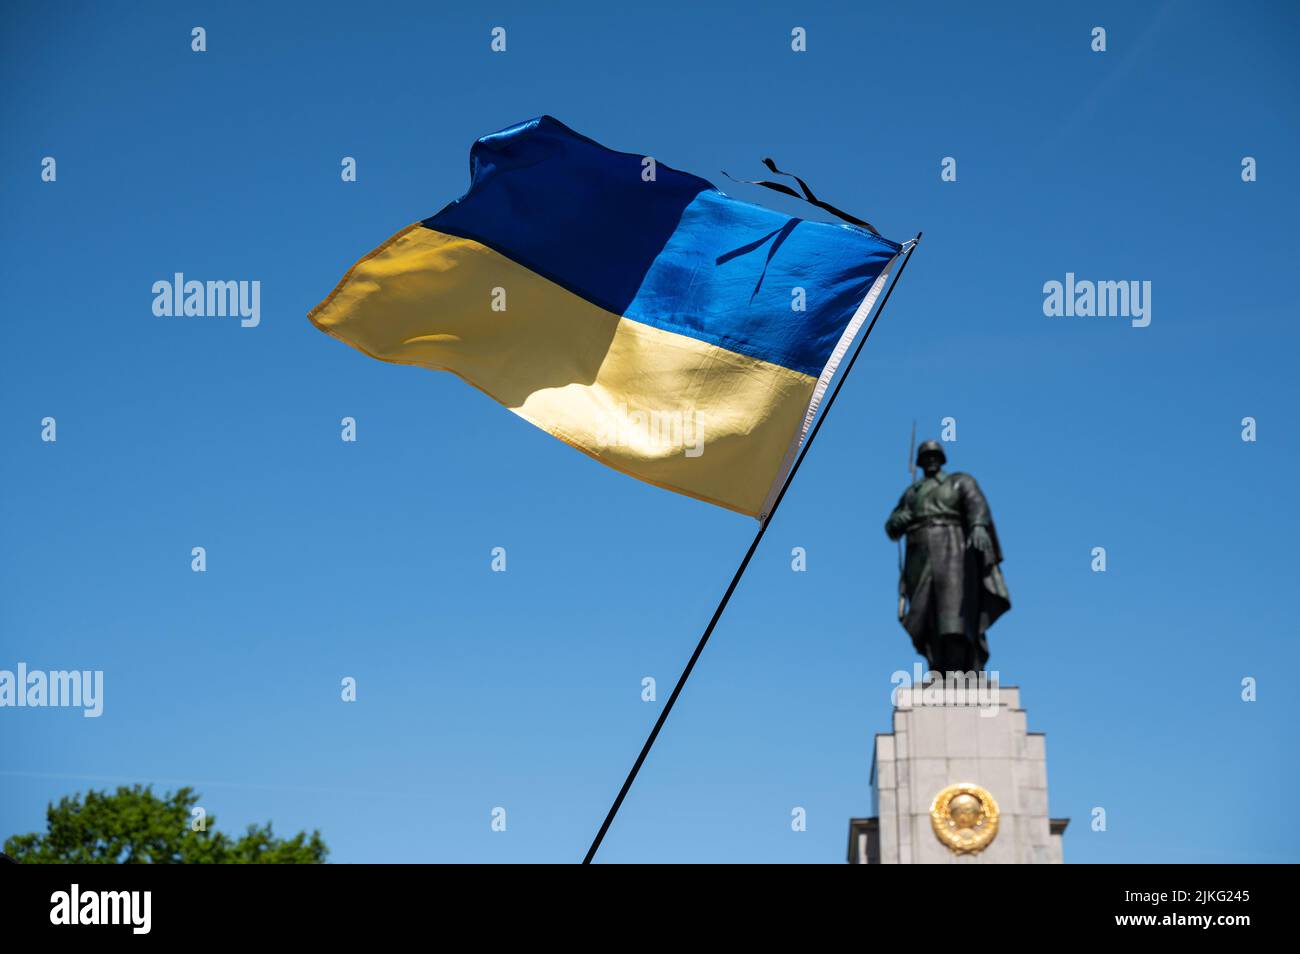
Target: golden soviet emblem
[(965, 817)]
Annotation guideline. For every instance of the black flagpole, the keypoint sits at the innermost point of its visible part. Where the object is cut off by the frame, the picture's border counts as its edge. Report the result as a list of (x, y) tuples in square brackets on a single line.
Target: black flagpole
[(740, 571)]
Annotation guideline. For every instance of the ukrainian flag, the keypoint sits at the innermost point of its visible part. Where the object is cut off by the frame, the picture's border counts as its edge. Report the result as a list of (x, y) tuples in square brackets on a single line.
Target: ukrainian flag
[(633, 311)]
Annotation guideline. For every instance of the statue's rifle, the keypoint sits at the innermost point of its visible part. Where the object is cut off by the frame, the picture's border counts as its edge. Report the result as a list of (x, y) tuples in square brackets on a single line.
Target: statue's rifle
[(911, 475)]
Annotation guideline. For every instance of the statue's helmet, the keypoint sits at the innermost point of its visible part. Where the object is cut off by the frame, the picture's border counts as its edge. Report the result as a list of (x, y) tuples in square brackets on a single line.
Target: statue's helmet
[(931, 447)]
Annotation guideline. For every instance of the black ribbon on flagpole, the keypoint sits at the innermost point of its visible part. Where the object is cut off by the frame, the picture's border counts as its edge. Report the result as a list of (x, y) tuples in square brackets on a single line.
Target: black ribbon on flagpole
[(807, 196)]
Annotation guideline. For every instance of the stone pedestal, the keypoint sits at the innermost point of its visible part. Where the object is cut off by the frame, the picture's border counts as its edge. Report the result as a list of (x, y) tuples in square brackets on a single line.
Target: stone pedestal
[(944, 737)]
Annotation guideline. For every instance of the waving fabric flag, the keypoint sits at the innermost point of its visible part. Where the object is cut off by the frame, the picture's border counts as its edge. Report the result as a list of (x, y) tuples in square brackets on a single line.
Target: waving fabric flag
[(633, 311)]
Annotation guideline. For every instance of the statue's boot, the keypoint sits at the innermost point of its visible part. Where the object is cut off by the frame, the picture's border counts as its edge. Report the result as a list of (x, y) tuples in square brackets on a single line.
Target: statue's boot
[(953, 653)]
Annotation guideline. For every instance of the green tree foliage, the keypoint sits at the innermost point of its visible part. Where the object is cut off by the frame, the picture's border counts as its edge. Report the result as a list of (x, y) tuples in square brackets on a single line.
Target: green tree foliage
[(134, 826)]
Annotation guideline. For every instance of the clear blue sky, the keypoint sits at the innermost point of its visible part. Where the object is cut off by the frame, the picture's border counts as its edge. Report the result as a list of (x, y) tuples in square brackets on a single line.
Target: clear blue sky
[(522, 689)]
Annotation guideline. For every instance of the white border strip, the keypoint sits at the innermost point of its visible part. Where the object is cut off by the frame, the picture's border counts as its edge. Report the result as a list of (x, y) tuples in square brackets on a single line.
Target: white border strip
[(823, 382)]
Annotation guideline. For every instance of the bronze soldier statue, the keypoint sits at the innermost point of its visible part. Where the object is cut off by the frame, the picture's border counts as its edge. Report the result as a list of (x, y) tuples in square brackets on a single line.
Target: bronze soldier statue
[(951, 579)]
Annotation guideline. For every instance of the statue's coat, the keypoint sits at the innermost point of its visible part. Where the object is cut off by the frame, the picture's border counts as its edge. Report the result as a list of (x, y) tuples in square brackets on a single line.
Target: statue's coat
[(949, 586)]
